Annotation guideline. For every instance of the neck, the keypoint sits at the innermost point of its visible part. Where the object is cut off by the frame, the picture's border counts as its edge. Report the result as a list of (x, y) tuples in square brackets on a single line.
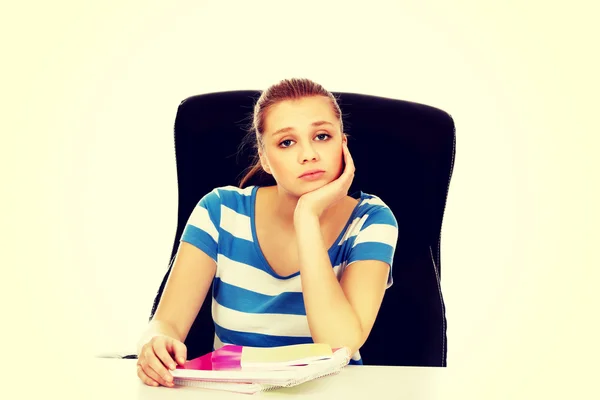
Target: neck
[(284, 205)]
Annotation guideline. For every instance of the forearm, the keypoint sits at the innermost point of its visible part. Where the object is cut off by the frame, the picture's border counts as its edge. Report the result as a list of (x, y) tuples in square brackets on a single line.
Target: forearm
[(331, 318)]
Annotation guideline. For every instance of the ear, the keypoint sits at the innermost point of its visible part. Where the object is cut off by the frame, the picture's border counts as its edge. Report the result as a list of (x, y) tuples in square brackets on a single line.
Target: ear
[(344, 138), (264, 162)]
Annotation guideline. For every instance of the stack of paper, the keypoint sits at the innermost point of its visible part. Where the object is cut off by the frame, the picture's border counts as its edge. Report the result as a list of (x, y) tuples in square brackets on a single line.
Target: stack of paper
[(255, 369)]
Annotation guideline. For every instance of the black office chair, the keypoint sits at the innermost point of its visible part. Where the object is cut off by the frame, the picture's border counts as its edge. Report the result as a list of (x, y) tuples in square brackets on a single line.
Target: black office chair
[(403, 152)]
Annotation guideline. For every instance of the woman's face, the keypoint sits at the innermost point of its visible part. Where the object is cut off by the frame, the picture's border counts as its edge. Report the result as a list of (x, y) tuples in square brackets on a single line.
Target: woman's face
[(302, 135)]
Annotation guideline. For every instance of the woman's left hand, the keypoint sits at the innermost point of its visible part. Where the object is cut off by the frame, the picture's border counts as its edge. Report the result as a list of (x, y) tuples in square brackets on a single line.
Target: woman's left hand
[(319, 200)]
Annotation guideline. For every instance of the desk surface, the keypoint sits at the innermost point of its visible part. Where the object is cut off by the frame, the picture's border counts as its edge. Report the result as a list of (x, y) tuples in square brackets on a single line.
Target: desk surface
[(117, 379)]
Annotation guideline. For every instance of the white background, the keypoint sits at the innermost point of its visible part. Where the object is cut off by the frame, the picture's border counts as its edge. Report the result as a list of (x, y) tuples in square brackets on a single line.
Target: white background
[(90, 198)]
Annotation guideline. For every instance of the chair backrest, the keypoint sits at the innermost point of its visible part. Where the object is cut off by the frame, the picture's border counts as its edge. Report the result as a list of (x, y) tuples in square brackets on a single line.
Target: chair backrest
[(403, 152)]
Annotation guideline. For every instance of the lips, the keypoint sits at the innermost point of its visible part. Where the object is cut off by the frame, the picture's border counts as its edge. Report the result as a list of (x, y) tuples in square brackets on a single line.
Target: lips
[(312, 171)]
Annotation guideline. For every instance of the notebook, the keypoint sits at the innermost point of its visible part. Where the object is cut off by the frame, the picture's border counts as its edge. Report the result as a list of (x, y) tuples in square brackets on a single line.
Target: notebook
[(246, 369)]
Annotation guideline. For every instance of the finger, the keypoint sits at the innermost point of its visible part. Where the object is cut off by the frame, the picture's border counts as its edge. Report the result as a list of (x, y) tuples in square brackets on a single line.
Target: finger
[(179, 350), (156, 376), (145, 378), (163, 355), (348, 157), (148, 371), (349, 169), (155, 369)]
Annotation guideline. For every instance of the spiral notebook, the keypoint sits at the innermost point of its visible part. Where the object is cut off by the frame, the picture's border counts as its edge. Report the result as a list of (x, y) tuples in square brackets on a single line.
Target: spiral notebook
[(256, 369)]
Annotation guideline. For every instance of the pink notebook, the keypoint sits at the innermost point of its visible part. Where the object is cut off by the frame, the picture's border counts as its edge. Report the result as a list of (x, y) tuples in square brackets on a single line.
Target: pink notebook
[(239, 368)]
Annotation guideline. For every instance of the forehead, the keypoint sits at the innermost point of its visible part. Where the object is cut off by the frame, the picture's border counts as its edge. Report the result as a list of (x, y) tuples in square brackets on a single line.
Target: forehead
[(299, 113)]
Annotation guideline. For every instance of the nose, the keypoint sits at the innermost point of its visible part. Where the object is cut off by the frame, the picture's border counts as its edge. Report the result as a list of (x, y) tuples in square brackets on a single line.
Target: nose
[(308, 153)]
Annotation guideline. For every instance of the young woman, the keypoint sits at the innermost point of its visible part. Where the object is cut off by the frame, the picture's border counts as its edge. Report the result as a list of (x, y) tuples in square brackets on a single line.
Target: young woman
[(297, 262)]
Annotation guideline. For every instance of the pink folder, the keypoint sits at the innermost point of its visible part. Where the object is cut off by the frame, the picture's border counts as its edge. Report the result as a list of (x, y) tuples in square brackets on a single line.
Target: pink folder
[(227, 358)]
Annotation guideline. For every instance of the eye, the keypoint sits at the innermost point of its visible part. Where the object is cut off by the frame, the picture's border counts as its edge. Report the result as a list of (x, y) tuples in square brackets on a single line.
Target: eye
[(324, 134), (285, 141)]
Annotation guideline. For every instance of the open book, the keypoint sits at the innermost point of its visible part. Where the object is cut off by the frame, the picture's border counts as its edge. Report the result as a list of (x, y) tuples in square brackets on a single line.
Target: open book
[(256, 369)]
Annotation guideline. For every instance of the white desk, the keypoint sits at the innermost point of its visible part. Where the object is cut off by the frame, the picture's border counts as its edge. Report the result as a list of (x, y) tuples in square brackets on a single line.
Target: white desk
[(117, 379)]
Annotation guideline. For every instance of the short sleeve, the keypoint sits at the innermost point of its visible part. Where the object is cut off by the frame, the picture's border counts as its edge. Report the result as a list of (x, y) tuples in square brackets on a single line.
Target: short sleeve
[(376, 239), (202, 227)]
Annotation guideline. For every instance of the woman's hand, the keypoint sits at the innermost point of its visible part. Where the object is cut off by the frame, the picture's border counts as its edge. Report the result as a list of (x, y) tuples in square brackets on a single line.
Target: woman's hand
[(319, 200), (157, 357)]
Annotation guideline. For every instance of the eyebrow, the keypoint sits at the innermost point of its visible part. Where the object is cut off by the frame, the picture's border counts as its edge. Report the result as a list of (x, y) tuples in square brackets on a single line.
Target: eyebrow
[(289, 128)]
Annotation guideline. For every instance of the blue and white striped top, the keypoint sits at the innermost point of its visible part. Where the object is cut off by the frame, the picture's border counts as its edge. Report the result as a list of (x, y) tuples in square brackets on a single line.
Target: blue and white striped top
[(251, 304)]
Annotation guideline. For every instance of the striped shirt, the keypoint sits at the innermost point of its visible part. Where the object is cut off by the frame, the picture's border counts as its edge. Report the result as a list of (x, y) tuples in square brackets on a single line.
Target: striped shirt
[(251, 304)]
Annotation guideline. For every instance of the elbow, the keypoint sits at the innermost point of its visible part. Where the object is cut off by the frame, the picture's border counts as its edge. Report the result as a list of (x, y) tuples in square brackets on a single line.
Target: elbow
[(351, 342), (351, 346), (354, 345), (356, 340)]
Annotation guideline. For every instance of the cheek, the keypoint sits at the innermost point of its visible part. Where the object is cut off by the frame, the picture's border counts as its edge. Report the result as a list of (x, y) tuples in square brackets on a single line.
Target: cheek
[(278, 166)]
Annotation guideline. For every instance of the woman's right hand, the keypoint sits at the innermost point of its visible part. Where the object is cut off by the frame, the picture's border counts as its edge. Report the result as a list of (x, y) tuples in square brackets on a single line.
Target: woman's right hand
[(159, 355)]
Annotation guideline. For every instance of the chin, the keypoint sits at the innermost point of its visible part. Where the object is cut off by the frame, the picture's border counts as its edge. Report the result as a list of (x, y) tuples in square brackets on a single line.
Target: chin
[(297, 190), (312, 186)]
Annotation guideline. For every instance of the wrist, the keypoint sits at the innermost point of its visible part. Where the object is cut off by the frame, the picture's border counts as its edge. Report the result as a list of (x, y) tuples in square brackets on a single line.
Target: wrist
[(156, 328), (145, 338), (304, 210), (302, 216)]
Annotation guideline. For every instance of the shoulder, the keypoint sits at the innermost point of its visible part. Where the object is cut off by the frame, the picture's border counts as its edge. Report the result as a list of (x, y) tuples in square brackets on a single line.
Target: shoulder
[(373, 210), (227, 195), (228, 203), (373, 234)]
